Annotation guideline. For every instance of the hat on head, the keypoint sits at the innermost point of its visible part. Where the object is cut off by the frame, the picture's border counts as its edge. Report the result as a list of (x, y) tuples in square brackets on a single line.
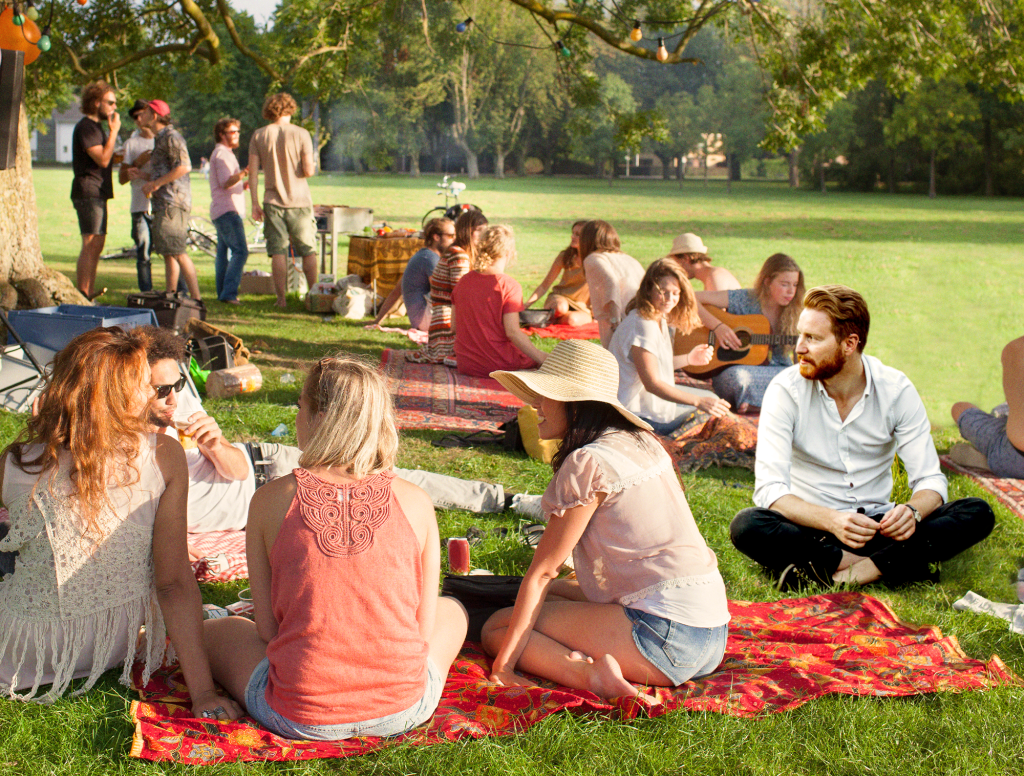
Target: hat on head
[(688, 243), (137, 108), (576, 370), (160, 108)]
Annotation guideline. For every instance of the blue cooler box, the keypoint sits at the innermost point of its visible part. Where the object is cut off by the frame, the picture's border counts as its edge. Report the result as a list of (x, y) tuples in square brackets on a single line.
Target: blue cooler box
[(55, 327)]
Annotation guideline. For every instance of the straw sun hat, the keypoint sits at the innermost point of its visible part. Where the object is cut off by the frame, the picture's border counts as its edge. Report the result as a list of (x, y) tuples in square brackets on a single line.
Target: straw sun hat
[(687, 243), (576, 370)]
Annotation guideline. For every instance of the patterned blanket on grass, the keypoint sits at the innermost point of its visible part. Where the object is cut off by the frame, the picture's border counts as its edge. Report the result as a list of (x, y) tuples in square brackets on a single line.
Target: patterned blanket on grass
[(560, 331), (1009, 492), (223, 556), (436, 396), (703, 441), (779, 656)]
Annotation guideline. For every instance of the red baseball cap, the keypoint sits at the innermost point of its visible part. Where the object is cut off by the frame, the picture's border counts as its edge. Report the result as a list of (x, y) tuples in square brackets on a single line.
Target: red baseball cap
[(160, 108)]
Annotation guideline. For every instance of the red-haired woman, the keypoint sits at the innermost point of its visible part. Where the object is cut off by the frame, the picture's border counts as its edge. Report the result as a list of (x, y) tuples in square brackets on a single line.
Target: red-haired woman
[(98, 520)]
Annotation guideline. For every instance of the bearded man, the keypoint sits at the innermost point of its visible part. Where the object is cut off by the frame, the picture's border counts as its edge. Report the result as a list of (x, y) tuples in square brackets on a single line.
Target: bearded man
[(829, 428)]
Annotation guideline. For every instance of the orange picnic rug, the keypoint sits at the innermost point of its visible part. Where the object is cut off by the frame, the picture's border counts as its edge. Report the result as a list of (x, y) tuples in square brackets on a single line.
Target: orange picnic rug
[(780, 655)]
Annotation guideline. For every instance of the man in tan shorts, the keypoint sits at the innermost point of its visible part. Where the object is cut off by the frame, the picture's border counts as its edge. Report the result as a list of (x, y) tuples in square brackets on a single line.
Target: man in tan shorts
[(285, 154)]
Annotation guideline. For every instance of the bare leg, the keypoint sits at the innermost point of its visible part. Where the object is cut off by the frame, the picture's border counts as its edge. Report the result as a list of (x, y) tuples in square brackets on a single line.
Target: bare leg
[(181, 262), (577, 318), (848, 560), (88, 262), (863, 572), (1013, 388), (567, 630), (960, 408), (234, 649), (450, 627), (309, 269), (390, 304), (279, 270)]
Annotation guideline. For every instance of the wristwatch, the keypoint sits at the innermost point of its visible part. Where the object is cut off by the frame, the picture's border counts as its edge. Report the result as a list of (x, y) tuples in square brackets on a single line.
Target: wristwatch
[(912, 508)]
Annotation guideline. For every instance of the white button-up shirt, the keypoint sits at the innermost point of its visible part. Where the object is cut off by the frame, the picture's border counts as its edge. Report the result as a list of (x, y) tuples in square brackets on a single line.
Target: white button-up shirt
[(805, 449)]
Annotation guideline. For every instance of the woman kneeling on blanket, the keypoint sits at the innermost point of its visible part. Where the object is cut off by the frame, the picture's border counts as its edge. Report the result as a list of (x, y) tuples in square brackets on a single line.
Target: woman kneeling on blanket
[(351, 638), (649, 605)]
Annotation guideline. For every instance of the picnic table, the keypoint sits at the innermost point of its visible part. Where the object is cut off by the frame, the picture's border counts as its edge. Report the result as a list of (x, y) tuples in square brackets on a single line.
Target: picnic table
[(380, 261)]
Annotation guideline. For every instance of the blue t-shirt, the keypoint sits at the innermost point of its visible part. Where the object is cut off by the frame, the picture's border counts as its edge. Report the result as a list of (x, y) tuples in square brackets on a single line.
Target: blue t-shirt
[(743, 301), (416, 282)]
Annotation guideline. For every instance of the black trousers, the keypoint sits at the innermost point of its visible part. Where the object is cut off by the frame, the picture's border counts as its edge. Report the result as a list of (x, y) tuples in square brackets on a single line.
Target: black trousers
[(775, 542)]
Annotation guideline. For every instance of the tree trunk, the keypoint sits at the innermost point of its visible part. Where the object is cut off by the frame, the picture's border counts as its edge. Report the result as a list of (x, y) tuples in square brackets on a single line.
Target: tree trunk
[(414, 163), (794, 168), (735, 171), (821, 168), (931, 175), (22, 257), (892, 173), (472, 164), (499, 162), (728, 173), (989, 150)]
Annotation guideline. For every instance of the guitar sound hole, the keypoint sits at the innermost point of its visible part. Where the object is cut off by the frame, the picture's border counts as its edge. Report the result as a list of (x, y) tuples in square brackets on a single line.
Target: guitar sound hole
[(724, 354)]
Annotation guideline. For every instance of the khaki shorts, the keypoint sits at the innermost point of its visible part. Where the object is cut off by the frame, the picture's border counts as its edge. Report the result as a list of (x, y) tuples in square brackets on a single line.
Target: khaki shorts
[(284, 225), (169, 229)]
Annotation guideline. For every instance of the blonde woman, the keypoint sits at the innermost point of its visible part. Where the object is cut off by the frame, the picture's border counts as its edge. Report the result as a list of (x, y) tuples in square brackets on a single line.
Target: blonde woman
[(487, 304), (642, 344), (351, 638), (778, 295), (570, 299)]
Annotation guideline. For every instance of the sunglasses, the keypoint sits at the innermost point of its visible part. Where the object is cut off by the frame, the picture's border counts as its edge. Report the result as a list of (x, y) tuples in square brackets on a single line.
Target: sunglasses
[(163, 391)]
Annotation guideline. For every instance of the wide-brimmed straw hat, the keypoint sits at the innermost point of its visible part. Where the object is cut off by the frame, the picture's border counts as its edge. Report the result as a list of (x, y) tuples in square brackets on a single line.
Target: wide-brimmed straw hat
[(576, 370), (687, 243)]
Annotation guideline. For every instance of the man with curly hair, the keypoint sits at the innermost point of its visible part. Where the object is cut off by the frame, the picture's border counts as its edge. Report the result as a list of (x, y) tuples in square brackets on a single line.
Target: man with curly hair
[(285, 154)]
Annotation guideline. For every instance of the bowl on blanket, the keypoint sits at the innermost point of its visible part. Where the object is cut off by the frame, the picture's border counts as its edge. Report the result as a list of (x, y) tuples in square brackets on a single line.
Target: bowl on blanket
[(535, 318)]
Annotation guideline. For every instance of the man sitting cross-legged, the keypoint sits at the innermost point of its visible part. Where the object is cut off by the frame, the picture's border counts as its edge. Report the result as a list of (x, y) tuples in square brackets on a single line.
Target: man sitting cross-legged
[(995, 440), (829, 428), (224, 476)]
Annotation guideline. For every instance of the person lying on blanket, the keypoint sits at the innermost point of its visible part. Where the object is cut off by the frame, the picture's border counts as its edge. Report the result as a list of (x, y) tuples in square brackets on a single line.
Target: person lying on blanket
[(995, 441), (829, 429), (97, 510), (351, 637), (649, 604), (223, 476)]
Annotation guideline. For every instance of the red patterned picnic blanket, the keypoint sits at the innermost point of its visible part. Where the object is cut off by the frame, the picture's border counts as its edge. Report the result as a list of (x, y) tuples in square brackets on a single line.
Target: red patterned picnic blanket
[(588, 331), (1009, 492), (436, 396), (704, 441), (223, 556), (779, 656)]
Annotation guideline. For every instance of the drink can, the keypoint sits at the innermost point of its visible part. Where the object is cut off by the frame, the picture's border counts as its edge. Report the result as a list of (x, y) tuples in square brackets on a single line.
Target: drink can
[(214, 612), (458, 555)]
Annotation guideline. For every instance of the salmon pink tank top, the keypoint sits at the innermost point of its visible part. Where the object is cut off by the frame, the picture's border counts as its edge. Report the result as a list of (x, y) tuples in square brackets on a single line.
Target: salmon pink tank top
[(346, 583)]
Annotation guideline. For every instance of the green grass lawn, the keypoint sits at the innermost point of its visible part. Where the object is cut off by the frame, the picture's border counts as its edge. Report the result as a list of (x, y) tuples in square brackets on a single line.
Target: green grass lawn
[(943, 281)]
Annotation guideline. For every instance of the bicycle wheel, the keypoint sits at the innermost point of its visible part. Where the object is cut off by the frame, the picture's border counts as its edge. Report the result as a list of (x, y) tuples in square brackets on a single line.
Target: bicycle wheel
[(202, 235), (434, 212)]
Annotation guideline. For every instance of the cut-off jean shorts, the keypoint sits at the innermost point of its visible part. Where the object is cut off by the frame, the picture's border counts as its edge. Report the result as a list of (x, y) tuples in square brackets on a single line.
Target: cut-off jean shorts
[(681, 652), (390, 725)]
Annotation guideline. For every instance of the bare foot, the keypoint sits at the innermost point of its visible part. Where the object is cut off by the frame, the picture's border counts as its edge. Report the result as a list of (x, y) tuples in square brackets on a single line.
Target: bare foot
[(862, 572), (580, 657), (607, 681)]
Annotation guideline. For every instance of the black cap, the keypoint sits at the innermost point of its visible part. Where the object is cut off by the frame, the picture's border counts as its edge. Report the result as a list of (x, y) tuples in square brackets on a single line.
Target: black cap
[(137, 108)]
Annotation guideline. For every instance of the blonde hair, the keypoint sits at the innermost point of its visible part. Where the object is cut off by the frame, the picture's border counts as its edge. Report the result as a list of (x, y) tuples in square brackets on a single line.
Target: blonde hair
[(774, 266), (352, 419), (684, 315), (497, 242)]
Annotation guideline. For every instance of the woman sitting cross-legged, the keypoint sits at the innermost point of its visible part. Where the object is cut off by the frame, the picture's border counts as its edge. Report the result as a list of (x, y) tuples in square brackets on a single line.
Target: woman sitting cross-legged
[(570, 299), (487, 304), (98, 522), (642, 344), (778, 295), (649, 605), (351, 638)]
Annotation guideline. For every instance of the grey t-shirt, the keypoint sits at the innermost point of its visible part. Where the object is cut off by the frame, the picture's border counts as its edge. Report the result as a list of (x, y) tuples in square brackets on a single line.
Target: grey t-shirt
[(169, 152)]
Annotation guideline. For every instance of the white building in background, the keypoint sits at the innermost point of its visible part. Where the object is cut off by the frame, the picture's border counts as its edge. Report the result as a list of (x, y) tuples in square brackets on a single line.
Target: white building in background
[(54, 145)]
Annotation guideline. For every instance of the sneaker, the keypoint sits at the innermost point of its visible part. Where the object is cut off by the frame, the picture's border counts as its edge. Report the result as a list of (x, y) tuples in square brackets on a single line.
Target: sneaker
[(527, 505), (1001, 410), (795, 577)]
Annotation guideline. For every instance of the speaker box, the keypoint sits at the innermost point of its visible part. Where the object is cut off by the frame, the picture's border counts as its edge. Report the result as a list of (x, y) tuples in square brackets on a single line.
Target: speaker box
[(12, 87)]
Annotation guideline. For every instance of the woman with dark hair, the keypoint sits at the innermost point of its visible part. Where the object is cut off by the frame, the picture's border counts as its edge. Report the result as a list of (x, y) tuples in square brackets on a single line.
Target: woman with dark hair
[(455, 263), (98, 520), (643, 347), (612, 276), (778, 295), (570, 299), (648, 605)]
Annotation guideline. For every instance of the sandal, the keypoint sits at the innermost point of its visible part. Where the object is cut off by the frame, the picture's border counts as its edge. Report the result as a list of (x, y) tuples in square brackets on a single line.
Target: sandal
[(94, 295)]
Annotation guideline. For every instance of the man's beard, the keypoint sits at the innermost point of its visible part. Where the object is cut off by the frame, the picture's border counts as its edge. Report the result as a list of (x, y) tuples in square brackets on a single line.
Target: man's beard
[(829, 367), (159, 420)]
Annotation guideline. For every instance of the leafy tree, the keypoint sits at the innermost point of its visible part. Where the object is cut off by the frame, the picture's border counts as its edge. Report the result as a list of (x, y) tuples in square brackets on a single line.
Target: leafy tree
[(820, 150), (682, 131)]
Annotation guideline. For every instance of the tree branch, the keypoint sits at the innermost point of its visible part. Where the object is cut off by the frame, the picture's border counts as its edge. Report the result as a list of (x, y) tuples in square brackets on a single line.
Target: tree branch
[(191, 47), (206, 32), (225, 14)]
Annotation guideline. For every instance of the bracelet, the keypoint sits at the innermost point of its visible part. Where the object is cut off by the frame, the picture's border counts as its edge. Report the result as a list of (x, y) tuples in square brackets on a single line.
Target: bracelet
[(719, 325)]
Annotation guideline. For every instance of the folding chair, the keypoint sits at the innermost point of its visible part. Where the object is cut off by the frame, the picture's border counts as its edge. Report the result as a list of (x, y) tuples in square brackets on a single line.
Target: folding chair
[(22, 375)]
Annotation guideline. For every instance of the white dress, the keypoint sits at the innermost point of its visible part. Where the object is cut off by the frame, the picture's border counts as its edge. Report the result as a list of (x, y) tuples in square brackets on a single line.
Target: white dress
[(74, 606)]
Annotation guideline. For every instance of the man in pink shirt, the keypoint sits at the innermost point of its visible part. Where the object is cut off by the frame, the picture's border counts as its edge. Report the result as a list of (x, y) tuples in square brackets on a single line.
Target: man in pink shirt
[(227, 209)]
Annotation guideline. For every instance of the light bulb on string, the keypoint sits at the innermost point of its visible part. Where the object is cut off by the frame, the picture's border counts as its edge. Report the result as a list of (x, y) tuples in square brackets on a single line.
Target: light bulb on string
[(43, 44), (17, 20), (662, 51), (563, 49), (460, 27), (31, 11), (636, 34)]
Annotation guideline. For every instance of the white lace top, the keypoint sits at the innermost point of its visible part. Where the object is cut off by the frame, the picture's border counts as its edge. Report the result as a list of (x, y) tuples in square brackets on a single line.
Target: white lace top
[(73, 608), (642, 542)]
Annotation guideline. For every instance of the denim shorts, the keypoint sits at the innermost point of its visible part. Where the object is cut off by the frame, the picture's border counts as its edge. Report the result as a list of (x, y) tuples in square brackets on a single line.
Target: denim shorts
[(391, 725), (988, 433), (681, 652)]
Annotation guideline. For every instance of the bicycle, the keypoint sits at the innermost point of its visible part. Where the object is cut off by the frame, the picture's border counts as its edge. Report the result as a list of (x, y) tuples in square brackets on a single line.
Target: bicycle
[(451, 191), (202, 235), (254, 238)]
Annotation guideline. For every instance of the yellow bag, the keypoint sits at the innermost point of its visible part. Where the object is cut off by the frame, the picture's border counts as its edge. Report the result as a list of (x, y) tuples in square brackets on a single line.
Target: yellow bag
[(541, 449)]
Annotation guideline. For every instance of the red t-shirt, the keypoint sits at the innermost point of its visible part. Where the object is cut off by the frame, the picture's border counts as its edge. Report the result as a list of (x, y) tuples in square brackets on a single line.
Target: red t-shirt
[(481, 345)]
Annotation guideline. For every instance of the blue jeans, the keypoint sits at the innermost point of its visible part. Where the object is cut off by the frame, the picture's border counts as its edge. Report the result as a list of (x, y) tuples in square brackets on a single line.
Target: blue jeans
[(681, 652), (143, 249), (230, 236)]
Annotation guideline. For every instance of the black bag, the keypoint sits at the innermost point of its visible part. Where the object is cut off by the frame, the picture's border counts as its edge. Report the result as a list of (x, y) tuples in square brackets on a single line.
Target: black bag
[(482, 596), (172, 308), (212, 353)]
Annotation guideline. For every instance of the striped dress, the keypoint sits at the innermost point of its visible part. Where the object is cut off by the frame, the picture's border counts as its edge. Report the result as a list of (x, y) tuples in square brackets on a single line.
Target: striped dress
[(449, 271)]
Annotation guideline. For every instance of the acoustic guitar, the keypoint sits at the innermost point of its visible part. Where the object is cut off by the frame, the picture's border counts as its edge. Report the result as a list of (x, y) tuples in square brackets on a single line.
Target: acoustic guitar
[(754, 332)]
